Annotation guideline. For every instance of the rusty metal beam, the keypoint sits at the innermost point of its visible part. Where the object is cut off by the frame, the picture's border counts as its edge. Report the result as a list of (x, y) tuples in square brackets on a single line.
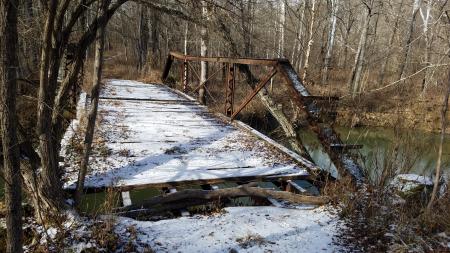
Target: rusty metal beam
[(229, 89), (303, 99), (325, 133), (249, 61), (258, 87)]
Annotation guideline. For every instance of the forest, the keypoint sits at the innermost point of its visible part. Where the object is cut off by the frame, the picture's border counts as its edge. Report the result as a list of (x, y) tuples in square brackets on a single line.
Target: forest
[(224, 125)]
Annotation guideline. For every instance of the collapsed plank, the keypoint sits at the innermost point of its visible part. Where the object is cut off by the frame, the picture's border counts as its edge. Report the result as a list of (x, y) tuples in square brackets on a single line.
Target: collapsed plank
[(184, 198)]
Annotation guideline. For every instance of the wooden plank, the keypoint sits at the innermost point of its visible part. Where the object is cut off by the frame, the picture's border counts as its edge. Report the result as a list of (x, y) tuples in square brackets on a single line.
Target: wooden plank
[(160, 101), (121, 188), (302, 161), (292, 187)]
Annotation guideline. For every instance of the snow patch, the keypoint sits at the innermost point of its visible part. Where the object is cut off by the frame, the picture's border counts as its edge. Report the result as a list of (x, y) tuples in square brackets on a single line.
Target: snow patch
[(244, 229)]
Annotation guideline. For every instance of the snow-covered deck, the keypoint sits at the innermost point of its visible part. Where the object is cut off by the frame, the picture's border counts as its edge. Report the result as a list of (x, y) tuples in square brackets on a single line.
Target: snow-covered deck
[(155, 136)]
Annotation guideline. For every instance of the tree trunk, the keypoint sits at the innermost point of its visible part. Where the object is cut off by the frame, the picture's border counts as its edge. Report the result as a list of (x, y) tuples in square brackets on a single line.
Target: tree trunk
[(95, 93), (355, 80), (407, 46), (211, 195), (428, 41), (155, 57), (390, 45), (143, 37), (310, 40), (30, 20), (298, 61), (186, 33), (203, 52), (8, 91), (282, 24), (334, 5), (437, 175)]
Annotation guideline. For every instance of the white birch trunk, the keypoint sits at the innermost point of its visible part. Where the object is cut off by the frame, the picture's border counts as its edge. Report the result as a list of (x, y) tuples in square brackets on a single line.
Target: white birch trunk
[(310, 40), (426, 31), (203, 52)]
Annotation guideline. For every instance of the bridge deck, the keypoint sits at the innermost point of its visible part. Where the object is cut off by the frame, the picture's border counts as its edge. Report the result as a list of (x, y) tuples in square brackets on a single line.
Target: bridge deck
[(150, 135)]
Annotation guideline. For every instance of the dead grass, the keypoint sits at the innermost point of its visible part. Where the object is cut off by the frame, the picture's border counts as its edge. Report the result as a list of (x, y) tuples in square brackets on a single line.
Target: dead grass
[(378, 217), (251, 240)]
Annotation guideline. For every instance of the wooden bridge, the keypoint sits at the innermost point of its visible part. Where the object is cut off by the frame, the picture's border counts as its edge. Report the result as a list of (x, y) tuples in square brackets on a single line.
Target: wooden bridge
[(150, 135), (153, 136)]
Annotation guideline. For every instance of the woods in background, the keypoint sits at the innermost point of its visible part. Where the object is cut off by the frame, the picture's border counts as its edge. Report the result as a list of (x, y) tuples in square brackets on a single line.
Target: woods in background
[(357, 45)]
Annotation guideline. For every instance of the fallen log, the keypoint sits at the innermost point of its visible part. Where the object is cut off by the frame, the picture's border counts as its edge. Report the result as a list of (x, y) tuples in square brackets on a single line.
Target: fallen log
[(186, 197)]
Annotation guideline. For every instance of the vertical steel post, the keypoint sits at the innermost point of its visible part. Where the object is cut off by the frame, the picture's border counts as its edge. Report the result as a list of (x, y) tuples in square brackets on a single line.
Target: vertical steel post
[(229, 89)]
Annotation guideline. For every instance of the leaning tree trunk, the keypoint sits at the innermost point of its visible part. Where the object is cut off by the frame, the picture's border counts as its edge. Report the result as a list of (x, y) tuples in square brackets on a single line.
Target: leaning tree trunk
[(8, 91), (203, 52), (95, 93)]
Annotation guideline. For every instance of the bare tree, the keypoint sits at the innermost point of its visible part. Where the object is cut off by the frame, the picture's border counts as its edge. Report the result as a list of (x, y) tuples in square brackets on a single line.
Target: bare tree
[(8, 91)]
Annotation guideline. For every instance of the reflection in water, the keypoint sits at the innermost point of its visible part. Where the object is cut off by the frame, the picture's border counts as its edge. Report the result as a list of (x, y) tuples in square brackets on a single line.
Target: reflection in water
[(408, 151)]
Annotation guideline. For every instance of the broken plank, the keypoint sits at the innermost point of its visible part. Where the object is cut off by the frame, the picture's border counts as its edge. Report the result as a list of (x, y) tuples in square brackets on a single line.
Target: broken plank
[(120, 188)]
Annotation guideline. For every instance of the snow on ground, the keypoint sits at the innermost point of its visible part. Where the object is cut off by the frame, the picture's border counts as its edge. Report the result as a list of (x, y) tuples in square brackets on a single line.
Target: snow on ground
[(155, 135), (244, 229)]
